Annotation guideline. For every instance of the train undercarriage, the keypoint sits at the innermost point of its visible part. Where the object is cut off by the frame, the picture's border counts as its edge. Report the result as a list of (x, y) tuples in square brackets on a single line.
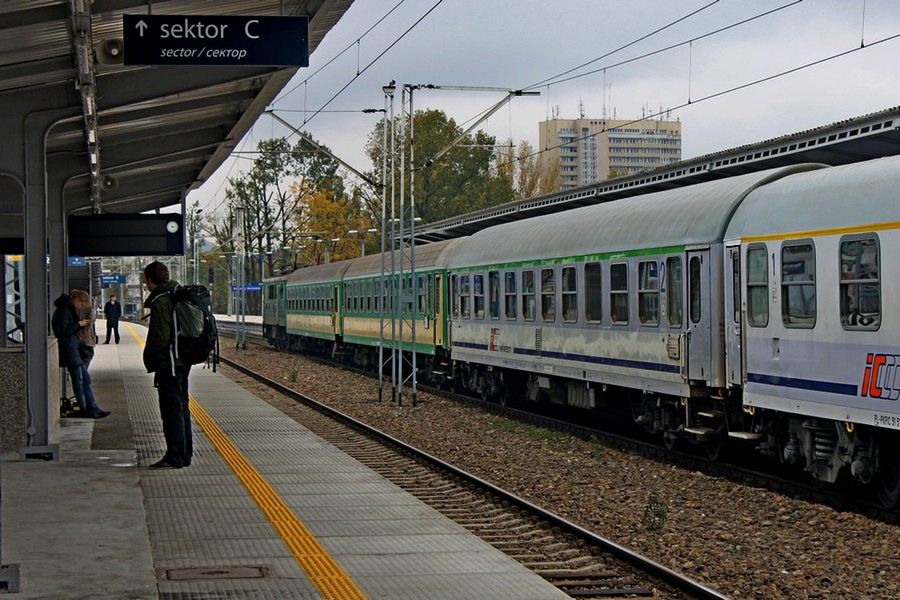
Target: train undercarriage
[(827, 450)]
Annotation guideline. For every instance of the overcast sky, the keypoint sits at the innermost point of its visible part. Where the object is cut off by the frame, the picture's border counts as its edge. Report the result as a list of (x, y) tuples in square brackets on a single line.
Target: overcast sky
[(517, 43)]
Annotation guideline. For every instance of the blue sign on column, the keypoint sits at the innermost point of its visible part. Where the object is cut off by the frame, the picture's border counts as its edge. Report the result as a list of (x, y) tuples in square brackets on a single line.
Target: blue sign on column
[(77, 261), (112, 279)]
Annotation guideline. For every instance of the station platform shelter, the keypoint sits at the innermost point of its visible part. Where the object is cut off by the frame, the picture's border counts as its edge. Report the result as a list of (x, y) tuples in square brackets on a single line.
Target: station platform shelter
[(266, 509)]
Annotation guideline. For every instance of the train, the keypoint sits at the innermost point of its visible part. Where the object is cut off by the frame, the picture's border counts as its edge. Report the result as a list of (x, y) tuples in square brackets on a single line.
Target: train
[(750, 311)]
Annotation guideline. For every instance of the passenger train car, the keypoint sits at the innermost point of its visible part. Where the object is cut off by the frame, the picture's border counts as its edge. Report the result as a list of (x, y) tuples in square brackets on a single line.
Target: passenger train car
[(747, 309)]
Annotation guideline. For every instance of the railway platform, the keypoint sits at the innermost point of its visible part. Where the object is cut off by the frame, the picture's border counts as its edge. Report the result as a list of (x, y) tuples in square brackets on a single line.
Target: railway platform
[(266, 510)]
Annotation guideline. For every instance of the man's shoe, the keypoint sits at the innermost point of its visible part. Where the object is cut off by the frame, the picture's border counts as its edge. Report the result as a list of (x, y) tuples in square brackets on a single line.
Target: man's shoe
[(164, 464), (101, 414)]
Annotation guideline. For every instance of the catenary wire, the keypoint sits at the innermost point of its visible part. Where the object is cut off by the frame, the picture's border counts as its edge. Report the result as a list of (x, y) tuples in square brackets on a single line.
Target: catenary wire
[(711, 96), (339, 54), (364, 69), (624, 46)]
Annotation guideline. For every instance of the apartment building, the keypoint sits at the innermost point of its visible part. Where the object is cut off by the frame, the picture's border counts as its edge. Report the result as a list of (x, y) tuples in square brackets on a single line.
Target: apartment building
[(591, 150)]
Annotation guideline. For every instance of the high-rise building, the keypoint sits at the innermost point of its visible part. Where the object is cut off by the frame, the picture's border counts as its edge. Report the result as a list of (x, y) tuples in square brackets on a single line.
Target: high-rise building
[(591, 150)]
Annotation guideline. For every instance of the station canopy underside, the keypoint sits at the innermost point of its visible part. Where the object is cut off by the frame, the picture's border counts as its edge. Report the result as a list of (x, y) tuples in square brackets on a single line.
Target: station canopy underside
[(157, 131), (862, 138)]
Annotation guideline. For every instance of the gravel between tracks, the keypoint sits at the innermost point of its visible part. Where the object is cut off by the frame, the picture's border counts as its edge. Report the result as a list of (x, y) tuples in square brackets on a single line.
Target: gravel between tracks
[(740, 540)]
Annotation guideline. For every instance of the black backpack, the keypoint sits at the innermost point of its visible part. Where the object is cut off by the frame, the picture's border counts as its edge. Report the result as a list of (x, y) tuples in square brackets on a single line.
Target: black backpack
[(196, 335)]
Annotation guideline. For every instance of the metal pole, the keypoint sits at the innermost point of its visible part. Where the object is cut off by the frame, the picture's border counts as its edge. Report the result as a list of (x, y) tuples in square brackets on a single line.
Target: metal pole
[(412, 240), (382, 297), (3, 291), (402, 224), (393, 280), (240, 309)]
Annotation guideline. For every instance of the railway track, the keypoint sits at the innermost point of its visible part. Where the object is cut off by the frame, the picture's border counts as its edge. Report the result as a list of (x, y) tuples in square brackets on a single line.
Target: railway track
[(750, 470), (578, 562)]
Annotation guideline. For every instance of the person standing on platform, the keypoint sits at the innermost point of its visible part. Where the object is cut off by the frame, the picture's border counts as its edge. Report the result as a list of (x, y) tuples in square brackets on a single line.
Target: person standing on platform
[(112, 311), (66, 326), (170, 374)]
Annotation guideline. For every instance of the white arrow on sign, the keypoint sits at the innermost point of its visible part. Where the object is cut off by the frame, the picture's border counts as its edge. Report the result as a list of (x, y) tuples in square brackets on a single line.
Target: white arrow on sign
[(141, 27)]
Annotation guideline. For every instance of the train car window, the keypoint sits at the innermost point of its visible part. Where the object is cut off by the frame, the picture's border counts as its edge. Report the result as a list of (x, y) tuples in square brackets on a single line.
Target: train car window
[(548, 295), (569, 295), (510, 291), (593, 294), (454, 294), (465, 307), (478, 295), (423, 294), (757, 286), (798, 285), (528, 303), (675, 295), (648, 292), (694, 282), (618, 293), (494, 294), (860, 283)]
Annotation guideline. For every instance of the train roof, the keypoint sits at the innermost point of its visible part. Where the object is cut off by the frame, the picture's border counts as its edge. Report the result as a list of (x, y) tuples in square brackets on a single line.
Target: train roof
[(428, 256), (863, 193), (319, 273), (690, 215)]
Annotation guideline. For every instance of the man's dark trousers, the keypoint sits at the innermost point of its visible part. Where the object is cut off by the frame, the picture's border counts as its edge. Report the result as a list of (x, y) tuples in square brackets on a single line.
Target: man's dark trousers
[(112, 325), (176, 416)]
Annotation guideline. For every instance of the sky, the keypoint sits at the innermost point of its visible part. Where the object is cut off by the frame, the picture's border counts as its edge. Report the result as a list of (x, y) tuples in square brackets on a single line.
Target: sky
[(517, 43)]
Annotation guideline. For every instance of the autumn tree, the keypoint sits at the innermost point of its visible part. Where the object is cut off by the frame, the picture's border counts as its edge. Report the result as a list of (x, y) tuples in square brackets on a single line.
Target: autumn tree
[(531, 173), (460, 181)]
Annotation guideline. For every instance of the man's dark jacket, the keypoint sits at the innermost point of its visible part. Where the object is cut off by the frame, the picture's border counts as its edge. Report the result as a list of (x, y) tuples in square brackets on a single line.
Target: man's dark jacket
[(65, 326), (159, 353), (112, 312)]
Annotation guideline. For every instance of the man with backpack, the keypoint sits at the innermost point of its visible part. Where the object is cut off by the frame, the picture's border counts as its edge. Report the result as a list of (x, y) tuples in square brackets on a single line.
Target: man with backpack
[(170, 372)]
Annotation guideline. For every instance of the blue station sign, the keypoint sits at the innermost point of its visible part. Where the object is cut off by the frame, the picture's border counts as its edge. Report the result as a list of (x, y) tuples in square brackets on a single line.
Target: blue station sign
[(112, 279), (216, 40)]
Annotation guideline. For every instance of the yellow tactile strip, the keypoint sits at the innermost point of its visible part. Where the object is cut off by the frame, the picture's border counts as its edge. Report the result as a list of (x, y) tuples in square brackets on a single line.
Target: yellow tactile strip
[(326, 574)]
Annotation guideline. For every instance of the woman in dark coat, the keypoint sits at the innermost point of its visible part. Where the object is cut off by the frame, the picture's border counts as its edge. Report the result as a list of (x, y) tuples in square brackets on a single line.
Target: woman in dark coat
[(66, 326)]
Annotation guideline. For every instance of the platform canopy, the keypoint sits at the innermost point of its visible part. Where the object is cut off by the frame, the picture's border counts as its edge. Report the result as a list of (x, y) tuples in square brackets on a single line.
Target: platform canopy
[(139, 137)]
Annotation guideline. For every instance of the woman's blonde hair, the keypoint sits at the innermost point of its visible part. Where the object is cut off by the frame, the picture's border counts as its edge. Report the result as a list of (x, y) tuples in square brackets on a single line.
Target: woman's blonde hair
[(81, 299)]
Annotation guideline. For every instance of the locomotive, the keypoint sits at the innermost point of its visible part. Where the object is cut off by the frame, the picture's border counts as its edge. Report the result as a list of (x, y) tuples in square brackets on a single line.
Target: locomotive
[(746, 310)]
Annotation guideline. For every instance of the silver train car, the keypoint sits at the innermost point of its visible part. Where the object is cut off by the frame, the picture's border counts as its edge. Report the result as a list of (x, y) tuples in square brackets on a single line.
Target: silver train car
[(749, 310), (745, 309)]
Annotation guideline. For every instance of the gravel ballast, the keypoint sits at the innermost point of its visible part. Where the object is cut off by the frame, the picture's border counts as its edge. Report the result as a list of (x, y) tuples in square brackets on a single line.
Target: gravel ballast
[(743, 541)]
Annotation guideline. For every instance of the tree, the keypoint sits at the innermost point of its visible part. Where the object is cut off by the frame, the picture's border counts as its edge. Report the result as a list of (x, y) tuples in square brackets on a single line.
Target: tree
[(460, 181), (533, 174)]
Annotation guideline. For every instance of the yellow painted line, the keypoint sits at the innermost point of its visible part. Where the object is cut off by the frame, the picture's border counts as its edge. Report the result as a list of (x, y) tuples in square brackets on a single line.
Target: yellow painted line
[(326, 574), (872, 227)]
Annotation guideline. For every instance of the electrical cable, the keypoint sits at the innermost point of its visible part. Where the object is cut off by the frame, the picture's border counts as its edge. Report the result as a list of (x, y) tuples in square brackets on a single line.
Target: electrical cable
[(711, 96), (620, 48), (339, 54), (366, 68), (687, 42)]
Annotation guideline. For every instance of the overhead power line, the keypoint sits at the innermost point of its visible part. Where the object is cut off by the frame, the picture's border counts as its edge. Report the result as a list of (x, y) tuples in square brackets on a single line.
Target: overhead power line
[(374, 60), (624, 46), (710, 96), (341, 53)]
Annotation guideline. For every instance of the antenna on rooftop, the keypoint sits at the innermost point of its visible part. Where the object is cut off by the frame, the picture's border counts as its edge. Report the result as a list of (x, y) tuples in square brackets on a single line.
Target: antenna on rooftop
[(580, 109)]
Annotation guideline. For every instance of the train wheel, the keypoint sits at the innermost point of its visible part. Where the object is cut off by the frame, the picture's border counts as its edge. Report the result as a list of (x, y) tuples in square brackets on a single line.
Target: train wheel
[(670, 439), (887, 487), (713, 446)]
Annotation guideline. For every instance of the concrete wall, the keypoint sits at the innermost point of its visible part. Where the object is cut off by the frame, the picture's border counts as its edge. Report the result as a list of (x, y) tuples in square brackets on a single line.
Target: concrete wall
[(12, 395), (12, 398)]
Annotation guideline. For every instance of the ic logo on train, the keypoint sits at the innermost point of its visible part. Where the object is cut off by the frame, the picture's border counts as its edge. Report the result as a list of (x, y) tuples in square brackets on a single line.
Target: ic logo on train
[(880, 377)]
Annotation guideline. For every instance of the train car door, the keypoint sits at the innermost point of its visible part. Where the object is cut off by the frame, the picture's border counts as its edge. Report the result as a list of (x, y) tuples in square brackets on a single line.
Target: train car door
[(281, 304), (733, 320), (336, 311), (698, 315), (438, 299)]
